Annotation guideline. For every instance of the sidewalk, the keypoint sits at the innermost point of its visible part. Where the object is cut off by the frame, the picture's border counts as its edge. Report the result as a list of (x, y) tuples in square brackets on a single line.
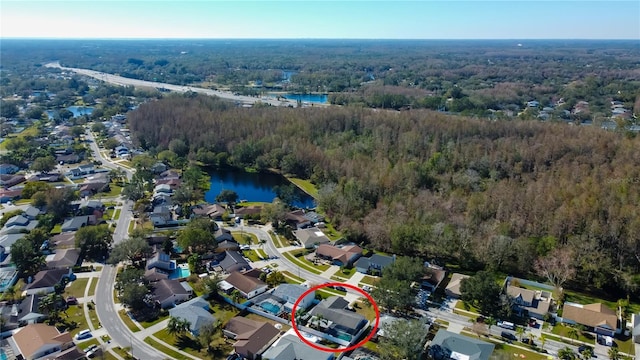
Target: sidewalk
[(151, 329)]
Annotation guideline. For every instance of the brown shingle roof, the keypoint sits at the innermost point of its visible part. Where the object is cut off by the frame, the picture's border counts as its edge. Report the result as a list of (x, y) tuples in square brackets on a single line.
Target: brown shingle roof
[(527, 295), (454, 284), (244, 282), (592, 315), (252, 336), (342, 254), (33, 336)]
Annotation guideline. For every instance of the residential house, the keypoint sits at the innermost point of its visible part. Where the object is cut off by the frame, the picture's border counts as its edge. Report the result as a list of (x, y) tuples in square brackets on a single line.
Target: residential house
[(18, 224), (453, 288), (234, 261), (46, 177), (297, 219), (340, 254), (8, 169), (9, 195), (40, 341), (162, 188), (32, 212), (222, 234), (448, 345), (45, 281), (8, 181), (196, 312), (63, 259), (227, 245), (6, 241), (529, 303), (213, 211), (311, 237), (67, 159), (533, 104), (64, 240), (75, 223), (635, 332), (29, 310), (155, 274), (252, 337), (291, 293), (92, 188), (340, 320), (247, 282), (8, 277), (433, 277), (158, 168), (245, 211), (290, 347), (596, 317), (172, 182), (162, 261), (161, 216), (374, 264), (121, 152), (167, 293), (169, 174)]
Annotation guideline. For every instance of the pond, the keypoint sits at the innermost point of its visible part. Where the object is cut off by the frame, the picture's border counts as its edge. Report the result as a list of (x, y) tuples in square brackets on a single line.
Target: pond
[(253, 187), (76, 110)]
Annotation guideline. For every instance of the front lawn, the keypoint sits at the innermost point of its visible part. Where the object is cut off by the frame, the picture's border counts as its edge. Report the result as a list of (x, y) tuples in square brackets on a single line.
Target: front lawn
[(369, 280), (563, 330), (75, 315), (92, 286), (276, 239), (252, 255), (116, 216), (343, 274), (503, 351), (146, 324), (127, 321), (305, 265), (172, 353), (261, 253), (76, 288), (244, 238), (365, 310), (297, 279)]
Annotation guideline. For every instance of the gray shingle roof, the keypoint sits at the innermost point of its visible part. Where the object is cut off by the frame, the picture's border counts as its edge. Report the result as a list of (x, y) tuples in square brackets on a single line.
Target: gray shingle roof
[(290, 347), (196, 315), (333, 309), (455, 343), (233, 261)]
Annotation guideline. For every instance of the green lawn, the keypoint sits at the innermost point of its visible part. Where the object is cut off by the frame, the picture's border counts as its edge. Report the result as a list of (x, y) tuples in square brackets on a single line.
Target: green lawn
[(94, 318), (223, 311), (331, 232), (171, 353), (461, 305), (108, 214), (582, 298), (257, 317), (302, 264), (251, 254), (563, 330), (127, 321), (76, 288), (506, 350), (276, 239), (116, 216), (365, 310), (369, 280), (146, 324), (343, 274), (92, 286), (132, 225), (76, 313), (289, 275), (57, 229), (23, 202), (86, 344), (241, 237), (262, 253), (122, 352), (30, 131), (306, 186), (625, 346)]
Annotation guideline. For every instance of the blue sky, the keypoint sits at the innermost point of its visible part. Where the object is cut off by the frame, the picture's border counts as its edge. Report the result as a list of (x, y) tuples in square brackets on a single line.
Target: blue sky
[(419, 19)]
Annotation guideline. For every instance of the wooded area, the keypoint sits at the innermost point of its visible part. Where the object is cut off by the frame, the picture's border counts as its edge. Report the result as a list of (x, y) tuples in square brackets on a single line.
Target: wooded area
[(481, 194)]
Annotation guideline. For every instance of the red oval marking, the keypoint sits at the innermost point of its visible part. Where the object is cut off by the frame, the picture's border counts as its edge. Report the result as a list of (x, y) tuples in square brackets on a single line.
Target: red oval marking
[(322, 348)]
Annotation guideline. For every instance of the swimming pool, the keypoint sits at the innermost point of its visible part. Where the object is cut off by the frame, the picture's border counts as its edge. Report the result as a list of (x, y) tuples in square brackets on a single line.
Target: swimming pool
[(3, 356), (179, 273), (272, 308)]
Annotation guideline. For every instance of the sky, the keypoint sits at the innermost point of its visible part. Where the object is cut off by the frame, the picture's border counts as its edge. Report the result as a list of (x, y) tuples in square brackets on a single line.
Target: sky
[(325, 19)]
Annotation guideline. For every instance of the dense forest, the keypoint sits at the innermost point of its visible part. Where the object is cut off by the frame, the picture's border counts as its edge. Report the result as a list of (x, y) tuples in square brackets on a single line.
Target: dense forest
[(469, 77), (481, 194)]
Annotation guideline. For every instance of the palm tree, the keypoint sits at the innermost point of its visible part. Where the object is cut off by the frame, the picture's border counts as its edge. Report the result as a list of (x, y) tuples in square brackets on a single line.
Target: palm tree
[(573, 333), (587, 353), (531, 337), (543, 340), (519, 331), (566, 354), (614, 354), (236, 295), (261, 242), (490, 321), (177, 326), (581, 329)]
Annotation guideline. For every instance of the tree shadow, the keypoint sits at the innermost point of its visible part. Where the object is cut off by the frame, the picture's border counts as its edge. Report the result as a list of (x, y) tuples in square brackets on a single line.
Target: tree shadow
[(185, 341)]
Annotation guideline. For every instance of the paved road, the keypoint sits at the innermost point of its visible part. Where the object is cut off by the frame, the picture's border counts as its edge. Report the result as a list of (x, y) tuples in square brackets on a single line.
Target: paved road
[(119, 80), (104, 291)]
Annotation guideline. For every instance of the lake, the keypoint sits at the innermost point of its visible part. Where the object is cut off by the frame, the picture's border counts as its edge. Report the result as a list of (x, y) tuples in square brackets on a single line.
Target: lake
[(252, 187), (311, 98), (76, 110)]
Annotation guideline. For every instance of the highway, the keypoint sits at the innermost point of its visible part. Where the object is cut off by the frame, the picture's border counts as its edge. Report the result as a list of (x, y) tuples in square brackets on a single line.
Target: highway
[(123, 81), (105, 306)]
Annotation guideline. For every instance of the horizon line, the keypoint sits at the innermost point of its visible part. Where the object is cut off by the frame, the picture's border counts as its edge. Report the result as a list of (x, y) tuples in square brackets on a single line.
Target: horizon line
[(312, 38)]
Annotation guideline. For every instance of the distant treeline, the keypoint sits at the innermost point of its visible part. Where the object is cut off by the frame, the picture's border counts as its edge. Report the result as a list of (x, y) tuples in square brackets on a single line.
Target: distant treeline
[(482, 194)]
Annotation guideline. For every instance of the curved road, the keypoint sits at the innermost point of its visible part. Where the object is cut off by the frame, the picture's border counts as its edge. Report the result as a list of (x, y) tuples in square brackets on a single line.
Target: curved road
[(105, 308), (123, 81)]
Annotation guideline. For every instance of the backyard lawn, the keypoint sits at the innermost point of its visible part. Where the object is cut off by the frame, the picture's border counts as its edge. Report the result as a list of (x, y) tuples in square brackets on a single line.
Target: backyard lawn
[(76, 288), (223, 311)]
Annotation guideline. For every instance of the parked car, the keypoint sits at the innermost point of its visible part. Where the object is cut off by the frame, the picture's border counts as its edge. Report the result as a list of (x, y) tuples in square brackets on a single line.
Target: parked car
[(528, 341), (84, 334), (506, 325), (72, 300), (340, 288), (367, 288), (582, 348), (509, 336)]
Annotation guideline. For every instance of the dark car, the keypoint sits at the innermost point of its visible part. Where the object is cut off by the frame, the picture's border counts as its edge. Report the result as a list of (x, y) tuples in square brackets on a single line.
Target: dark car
[(72, 300), (582, 348), (509, 336), (528, 341), (340, 288)]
